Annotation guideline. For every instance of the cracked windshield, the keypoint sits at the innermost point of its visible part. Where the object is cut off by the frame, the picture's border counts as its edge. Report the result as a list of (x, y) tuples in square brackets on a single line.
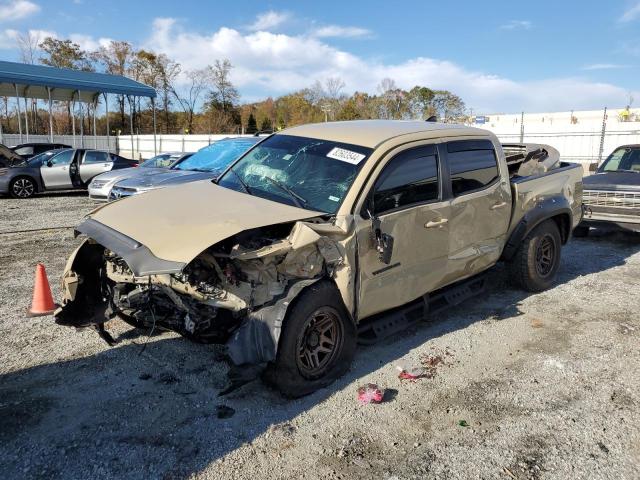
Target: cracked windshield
[(304, 172)]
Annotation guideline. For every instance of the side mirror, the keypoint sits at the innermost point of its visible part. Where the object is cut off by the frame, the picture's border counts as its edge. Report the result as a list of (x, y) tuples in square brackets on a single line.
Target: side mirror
[(383, 241), (49, 163)]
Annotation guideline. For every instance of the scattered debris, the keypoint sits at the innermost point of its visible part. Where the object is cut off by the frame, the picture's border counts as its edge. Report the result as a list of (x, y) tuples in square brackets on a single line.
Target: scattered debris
[(603, 447), (509, 472), (222, 411), (412, 374), (370, 393), (463, 423), (536, 323), (145, 376), (168, 378)]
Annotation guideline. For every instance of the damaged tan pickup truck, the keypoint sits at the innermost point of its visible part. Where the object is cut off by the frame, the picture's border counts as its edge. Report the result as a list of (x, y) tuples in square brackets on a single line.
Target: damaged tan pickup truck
[(323, 235)]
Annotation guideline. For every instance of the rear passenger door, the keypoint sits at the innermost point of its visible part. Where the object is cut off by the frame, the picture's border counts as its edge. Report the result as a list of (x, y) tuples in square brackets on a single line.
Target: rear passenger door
[(94, 162), (480, 207), (406, 203)]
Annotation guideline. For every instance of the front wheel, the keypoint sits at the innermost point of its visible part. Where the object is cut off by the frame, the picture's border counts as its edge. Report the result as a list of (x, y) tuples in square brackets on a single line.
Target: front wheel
[(22, 187), (317, 343), (536, 262)]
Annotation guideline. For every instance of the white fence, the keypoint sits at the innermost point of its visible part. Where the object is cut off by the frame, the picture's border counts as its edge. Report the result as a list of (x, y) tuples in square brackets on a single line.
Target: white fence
[(99, 142)]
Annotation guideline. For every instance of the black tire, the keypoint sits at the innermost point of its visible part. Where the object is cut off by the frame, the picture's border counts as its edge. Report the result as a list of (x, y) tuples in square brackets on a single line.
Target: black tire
[(581, 231), (22, 187), (535, 264), (299, 343)]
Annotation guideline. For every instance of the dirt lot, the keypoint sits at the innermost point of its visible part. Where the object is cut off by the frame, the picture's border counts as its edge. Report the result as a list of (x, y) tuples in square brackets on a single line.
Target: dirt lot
[(542, 386)]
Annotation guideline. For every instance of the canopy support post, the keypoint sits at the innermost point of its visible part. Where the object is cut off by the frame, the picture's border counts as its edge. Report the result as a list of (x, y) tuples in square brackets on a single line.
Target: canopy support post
[(19, 112), (81, 123), (106, 107), (153, 107), (131, 125), (73, 118), (95, 107), (50, 116), (26, 112)]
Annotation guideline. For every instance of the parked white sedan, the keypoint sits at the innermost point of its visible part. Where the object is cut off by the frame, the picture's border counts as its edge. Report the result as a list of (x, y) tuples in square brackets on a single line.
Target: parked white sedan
[(101, 185)]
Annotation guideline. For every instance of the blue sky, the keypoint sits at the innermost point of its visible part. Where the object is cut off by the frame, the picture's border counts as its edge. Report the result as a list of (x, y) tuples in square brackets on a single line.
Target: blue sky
[(499, 56)]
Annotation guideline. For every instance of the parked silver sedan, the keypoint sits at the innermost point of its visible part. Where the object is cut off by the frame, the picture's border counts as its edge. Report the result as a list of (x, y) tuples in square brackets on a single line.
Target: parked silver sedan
[(207, 163), (101, 186)]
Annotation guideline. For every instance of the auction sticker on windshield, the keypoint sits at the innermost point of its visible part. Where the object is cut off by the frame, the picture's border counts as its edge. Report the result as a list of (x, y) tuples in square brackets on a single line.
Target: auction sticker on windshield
[(346, 155)]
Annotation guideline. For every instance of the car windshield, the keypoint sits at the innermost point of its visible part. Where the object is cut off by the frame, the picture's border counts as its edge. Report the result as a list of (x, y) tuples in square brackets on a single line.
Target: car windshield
[(164, 160), (622, 160), (217, 156), (306, 172)]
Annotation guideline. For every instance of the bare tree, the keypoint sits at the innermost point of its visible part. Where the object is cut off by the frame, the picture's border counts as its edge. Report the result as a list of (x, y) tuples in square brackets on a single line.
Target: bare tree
[(29, 46), (224, 93), (116, 59), (199, 82), (334, 86)]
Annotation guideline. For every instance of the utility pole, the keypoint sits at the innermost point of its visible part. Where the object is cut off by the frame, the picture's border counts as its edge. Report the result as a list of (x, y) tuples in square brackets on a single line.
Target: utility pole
[(602, 134), (522, 127), (326, 109)]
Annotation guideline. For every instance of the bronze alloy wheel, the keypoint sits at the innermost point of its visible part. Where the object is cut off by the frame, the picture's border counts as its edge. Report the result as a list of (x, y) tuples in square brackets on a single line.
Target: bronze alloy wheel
[(319, 343), (22, 188), (545, 255)]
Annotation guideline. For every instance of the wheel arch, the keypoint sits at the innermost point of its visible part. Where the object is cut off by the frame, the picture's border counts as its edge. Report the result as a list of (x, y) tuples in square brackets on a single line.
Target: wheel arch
[(36, 181), (552, 208)]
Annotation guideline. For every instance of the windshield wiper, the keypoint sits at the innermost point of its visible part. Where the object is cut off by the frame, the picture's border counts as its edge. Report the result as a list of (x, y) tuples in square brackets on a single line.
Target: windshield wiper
[(244, 185), (297, 199)]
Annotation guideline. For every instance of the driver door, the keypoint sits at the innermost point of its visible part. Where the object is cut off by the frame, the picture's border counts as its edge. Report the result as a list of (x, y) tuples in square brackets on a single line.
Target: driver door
[(55, 172), (410, 212)]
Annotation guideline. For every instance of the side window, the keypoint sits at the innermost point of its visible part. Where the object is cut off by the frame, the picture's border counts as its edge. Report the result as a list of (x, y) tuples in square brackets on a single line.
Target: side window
[(63, 158), (472, 165), (411, 177), (94, 156), (24, 151)]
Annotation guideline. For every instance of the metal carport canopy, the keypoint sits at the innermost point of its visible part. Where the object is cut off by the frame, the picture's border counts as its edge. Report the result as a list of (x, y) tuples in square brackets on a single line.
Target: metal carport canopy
[(33, 81)]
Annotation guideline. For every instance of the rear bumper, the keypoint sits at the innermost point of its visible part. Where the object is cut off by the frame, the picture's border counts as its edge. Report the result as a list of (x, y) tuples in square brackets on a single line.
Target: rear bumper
[(597, 217)]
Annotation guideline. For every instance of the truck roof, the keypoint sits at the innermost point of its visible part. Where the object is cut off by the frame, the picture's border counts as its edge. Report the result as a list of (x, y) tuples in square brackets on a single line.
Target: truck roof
[(371, 133)]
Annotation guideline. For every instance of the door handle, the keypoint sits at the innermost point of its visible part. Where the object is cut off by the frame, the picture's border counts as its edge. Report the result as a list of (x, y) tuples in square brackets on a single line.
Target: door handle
[(498, 205), (436, 223), (106, 164)]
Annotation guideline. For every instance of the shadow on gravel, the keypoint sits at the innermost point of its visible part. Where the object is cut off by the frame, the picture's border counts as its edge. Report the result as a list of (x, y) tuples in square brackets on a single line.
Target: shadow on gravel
[(158, 415)]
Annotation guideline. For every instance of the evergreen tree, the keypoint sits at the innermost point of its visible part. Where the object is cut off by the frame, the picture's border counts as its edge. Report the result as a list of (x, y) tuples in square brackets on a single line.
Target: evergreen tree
[(266, 125), (252, 125)]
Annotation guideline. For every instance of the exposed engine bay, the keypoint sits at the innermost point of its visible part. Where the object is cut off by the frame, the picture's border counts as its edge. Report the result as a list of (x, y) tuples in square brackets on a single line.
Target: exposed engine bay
[(241, 285)]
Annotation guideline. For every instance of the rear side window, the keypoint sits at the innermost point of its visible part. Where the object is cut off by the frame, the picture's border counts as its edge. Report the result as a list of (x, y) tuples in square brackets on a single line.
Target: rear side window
[(24, 151), (93, 156), (409, 178), (472, 165)]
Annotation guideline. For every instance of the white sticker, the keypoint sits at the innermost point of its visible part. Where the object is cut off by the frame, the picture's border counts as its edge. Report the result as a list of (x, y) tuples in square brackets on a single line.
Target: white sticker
[(346, 155), (287, 156), (334, 199)]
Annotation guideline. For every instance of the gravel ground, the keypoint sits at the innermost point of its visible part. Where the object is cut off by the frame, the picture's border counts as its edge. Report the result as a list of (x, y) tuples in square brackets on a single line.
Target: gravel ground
[(540, 386)]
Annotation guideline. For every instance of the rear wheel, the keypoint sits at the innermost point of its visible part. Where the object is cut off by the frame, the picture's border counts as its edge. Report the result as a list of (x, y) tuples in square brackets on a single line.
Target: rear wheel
[(22, 187), (581, 231), (536, 262), (317, 343)]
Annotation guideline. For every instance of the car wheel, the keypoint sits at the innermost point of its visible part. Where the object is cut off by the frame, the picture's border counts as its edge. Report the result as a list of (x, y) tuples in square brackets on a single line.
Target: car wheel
[(536, 262), (22, 187), (317, 343), (581, 231)]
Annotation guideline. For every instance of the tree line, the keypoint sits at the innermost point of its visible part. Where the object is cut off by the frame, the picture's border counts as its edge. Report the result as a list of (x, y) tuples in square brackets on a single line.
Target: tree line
[(205, 100)]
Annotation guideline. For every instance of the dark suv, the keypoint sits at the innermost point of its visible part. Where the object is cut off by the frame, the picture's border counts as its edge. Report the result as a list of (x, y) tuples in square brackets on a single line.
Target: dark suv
[(612, 194)]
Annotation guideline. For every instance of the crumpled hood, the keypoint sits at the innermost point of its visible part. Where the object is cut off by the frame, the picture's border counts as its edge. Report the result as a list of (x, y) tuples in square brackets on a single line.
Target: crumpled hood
[(121, 174), (612, 181), (179, 223), (164, 178)]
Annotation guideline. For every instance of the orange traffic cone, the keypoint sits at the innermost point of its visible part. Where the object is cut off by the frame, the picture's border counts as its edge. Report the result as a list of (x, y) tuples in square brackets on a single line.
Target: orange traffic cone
[(42, 303)]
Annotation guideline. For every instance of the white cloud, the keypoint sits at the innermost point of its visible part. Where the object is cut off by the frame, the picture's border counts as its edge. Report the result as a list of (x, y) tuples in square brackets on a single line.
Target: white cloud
[(604, 66), (630, 14), (89, 43), (271, 64), (9, 37), (339, 31), (17, 9), (517, 25), (268, 20)]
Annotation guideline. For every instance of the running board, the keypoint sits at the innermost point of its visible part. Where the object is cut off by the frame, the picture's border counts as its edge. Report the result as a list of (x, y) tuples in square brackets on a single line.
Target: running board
[(378, 327)]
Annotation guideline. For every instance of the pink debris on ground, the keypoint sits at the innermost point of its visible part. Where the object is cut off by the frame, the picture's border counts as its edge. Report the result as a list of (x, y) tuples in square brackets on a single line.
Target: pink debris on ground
[(370, 393)]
